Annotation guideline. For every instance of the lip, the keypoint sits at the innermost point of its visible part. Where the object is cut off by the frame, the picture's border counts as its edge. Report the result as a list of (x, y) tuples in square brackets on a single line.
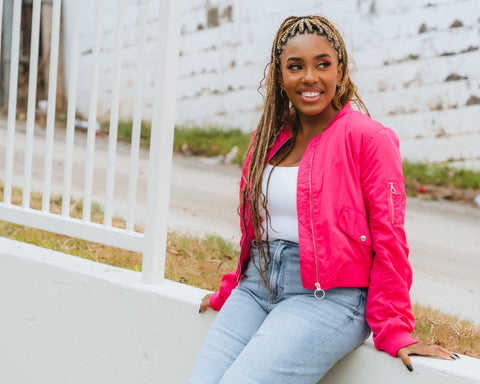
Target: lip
[(310, 94)]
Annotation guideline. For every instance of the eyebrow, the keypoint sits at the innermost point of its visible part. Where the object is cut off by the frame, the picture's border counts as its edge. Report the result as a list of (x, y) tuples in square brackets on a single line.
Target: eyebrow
[(321, 56)]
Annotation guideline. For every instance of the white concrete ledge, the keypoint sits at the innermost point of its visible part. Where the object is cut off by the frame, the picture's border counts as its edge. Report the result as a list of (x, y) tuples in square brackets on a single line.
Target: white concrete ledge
[(69, 320), (367, 365)]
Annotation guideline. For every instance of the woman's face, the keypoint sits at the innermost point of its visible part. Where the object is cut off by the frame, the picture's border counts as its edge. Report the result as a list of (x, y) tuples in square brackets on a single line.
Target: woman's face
[(310, 73)]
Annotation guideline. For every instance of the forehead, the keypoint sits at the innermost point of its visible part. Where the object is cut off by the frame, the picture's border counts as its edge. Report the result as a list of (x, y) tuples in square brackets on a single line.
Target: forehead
[(307, 44)]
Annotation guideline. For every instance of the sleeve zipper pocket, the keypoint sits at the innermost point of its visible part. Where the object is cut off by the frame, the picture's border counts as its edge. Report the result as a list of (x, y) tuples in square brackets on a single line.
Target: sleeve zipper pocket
[(391, 193)]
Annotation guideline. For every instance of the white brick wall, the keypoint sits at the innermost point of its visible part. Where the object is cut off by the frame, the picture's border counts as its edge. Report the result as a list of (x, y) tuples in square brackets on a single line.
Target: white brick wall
[(416, 65)]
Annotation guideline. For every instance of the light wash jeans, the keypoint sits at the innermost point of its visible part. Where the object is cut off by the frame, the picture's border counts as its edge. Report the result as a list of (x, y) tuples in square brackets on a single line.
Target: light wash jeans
[(295, 338)]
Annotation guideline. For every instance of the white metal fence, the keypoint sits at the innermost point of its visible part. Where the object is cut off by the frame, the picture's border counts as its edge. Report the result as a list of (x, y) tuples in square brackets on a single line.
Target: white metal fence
[(152, 242)]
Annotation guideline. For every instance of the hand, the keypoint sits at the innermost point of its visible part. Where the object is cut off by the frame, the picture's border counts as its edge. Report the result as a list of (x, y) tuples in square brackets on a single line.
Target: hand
[(424, 350), (205, 303)]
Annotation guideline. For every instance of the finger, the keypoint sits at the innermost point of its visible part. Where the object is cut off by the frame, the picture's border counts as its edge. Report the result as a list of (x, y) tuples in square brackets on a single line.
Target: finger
[(432, 350), (445, 354), (203, 307), (204, 304), (403, 355)]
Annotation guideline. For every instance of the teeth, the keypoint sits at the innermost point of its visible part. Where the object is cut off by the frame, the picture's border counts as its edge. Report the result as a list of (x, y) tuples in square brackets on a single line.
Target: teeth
[(310, 94)]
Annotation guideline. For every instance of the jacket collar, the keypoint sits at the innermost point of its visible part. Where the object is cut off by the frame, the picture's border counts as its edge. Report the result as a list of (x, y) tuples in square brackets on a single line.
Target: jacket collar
[(287, 130)]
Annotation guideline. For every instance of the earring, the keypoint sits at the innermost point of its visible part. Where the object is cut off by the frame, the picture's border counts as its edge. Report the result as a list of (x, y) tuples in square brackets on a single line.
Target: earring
[(340, 88), (282, 93)]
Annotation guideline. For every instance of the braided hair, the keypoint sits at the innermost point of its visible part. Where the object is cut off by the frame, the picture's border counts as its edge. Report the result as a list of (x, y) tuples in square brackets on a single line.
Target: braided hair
[(277, 113)]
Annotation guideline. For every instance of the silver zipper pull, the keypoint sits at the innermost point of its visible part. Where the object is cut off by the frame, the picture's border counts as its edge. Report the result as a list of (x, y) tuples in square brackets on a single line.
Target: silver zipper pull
[(392, 188), (319, 292)]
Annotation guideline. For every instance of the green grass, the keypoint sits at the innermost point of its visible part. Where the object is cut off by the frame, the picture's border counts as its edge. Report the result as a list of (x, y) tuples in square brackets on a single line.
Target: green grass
[(211, 141), (440, 175), (200, 141), (199, 261), (125, 131)]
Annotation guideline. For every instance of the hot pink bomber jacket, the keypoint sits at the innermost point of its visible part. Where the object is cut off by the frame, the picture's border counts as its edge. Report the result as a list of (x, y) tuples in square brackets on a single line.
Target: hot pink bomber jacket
[(351, 209)]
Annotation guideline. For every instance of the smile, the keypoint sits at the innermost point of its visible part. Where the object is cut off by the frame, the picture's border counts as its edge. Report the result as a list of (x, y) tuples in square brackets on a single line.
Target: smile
[(310, 94)]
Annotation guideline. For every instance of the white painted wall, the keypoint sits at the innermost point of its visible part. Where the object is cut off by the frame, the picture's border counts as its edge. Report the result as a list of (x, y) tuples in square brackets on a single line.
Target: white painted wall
[(70, 320), (416, 65)]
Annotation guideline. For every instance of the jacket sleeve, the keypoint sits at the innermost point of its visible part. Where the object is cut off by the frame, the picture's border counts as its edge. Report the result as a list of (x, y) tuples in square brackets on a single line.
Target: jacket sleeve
[(228, 283), (388, 305), (230, 280)]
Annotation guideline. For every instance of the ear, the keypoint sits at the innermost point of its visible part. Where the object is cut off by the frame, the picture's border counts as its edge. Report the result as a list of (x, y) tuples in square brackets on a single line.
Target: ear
[(280, 78), (339, 74)]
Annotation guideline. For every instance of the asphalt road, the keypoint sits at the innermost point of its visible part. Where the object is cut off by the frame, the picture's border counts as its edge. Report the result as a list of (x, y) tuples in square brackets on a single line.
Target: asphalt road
[(444, 237)]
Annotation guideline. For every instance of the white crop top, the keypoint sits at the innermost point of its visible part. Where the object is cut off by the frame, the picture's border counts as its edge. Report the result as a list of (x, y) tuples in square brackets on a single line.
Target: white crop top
[(281, 203)]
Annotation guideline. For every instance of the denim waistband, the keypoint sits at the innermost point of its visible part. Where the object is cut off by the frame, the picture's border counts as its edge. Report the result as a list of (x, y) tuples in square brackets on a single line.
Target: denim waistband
[(276, 242)]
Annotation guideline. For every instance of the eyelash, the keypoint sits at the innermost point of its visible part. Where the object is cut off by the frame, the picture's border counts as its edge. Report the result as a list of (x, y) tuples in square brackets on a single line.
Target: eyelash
[(322, 65)]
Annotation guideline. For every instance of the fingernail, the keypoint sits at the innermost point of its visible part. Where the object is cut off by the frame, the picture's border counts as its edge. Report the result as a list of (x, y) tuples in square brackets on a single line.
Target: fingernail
[(456, 356), (409, 367)]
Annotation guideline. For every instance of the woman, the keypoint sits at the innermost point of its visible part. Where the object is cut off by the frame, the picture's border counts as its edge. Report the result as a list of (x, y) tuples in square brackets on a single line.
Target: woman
[(322, 207)]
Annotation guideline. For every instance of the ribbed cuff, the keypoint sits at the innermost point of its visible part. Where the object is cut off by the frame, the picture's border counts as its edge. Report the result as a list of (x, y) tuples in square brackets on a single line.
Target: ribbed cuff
[(216, 301), (395, 341)]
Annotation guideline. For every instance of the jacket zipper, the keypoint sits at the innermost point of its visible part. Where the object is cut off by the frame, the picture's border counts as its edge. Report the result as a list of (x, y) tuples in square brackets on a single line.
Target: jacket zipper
[(391, 193), (319, 292)]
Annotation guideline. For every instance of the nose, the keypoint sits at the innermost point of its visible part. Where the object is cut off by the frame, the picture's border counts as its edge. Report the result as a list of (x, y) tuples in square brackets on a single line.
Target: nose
[(309, 77)]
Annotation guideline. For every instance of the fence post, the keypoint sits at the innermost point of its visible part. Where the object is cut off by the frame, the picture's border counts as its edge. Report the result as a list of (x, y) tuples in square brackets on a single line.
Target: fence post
[(12, 101), (161, 145)]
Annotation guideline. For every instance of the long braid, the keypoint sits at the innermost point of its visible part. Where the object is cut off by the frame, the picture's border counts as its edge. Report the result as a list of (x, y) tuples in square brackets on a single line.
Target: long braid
[(276, 113)]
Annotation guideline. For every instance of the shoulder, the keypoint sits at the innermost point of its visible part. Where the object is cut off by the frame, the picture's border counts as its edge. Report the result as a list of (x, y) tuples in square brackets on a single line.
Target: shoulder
[(359, 122), (363, 128)]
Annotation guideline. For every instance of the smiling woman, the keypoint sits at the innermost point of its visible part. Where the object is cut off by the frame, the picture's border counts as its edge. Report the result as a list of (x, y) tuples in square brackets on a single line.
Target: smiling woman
[(310, 75), (324, 257)]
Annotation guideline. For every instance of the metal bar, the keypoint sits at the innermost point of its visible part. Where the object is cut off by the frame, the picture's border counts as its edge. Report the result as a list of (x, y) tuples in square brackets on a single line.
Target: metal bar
[(12, 102), (71, 110), (32, 97), (113, 130), (52, 94), (1, 26), (92, 115), (153, 270), (137, 117), (68, 226)]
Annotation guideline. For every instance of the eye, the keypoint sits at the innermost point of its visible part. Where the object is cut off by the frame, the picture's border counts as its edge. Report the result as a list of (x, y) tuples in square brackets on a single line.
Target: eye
[(294, 67), (324, 64)]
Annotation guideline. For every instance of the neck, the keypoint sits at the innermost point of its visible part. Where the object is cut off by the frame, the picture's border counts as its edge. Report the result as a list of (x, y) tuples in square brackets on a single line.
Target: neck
[(314, 125)]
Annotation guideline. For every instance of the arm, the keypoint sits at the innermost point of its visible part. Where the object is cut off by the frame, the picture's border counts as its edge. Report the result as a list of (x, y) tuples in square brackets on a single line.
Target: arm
[(388, 305), (230, 280), (217, 299), (228, 283)]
